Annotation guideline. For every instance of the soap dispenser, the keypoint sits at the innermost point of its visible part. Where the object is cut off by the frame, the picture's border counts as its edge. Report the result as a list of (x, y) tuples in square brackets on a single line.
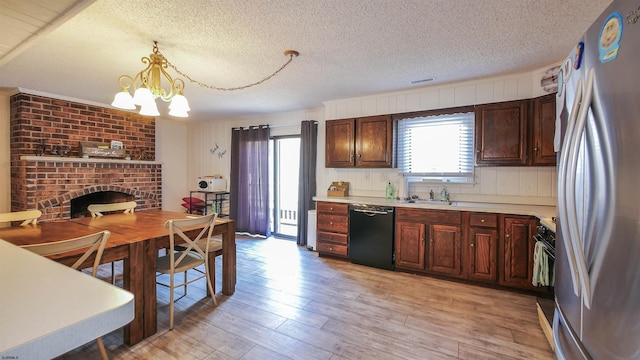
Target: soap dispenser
[(389, 191)]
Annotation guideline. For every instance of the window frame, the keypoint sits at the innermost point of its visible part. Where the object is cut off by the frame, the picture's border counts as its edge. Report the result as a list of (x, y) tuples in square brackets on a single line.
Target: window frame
[(462, 178)]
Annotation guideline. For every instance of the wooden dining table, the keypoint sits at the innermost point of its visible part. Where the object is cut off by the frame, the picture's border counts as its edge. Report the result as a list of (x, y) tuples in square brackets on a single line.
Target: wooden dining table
[(136, 239)]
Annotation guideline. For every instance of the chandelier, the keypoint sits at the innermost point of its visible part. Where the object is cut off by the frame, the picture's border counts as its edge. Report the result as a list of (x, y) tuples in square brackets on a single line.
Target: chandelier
[(148, 86)]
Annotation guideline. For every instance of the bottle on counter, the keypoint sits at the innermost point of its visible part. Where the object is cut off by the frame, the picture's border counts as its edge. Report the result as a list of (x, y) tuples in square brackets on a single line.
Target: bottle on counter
[(390, 191)]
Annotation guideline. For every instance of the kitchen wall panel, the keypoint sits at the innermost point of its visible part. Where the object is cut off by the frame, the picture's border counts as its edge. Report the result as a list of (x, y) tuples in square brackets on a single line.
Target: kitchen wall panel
[(171, 149), (535, 185), (203, 137)]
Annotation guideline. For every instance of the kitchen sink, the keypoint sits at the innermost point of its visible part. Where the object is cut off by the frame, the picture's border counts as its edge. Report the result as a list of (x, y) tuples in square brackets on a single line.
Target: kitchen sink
[(428, 202)]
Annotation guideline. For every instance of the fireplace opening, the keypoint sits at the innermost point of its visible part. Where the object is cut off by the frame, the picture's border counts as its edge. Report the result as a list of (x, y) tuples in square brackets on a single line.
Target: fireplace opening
[(79, 205)]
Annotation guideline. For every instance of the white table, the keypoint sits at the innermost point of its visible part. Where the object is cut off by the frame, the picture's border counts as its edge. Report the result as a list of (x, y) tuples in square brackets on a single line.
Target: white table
[(47, 309)]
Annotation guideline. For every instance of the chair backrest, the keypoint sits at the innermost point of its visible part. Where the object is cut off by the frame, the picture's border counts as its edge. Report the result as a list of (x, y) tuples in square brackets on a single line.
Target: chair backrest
[(93, 243), (97, 210), (27, 217), (180, 226)]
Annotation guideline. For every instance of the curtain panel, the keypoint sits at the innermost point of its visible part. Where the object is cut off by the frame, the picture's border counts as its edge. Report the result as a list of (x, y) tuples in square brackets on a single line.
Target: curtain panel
[(249, 182), (307, 177)]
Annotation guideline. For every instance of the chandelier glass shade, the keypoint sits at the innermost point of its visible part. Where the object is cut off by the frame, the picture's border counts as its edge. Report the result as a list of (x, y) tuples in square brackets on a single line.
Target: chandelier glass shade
[(148, 86), (151, 83)]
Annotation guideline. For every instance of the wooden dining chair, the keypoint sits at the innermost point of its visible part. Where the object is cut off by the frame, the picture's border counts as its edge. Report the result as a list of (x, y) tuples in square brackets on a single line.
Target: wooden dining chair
[(97, 210), (93, 243), (189, 256), (27, 217), (215, 246)]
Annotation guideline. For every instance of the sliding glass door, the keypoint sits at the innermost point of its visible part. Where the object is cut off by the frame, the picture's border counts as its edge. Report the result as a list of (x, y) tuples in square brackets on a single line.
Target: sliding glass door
[(284, 160)]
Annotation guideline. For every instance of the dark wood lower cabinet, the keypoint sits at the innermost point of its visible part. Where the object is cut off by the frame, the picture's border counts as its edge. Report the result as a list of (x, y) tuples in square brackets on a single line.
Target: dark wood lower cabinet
[(445, 250), (517, 252), (483, 249), (333, 229), (410, 250), (486, 248)]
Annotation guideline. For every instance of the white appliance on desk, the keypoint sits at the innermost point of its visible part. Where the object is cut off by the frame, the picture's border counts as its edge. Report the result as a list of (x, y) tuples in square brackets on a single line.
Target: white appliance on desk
[(211, 183), (597, 284)]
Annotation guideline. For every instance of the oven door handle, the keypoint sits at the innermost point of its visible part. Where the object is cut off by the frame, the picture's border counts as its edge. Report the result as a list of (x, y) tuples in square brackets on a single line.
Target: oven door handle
[(371, 212)]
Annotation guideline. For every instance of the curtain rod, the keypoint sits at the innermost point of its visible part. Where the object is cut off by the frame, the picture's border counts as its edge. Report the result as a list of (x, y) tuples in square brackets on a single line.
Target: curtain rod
[(269, 126)]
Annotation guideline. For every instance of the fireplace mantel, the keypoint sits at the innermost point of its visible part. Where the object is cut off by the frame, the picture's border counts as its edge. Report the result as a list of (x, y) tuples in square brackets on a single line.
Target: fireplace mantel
[(85, 160)]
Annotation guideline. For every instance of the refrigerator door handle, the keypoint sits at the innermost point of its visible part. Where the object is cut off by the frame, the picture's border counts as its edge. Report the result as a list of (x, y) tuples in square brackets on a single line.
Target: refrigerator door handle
[(576, 236), (562, 197), (602, 210)]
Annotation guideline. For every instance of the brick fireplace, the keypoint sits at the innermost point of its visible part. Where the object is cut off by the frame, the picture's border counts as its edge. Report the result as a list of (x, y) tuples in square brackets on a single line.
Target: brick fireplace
[(47, 181)]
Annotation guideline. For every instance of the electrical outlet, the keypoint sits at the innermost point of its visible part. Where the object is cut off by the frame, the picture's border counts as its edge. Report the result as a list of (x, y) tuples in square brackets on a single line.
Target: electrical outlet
[(384, 177), (366, 176)]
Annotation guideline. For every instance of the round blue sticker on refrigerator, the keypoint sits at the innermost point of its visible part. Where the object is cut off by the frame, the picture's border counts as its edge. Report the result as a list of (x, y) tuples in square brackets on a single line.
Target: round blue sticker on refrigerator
[(609, 41)]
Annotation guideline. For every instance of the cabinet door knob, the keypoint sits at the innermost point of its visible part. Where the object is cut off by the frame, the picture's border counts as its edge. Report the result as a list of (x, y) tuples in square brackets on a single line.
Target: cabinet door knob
[(471, 244), (482, 220), (431, 240), (331, 208), (330, 222), (507, 235)]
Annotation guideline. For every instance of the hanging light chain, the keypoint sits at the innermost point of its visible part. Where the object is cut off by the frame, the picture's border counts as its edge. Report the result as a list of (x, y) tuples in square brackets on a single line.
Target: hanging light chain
[(290, 53)]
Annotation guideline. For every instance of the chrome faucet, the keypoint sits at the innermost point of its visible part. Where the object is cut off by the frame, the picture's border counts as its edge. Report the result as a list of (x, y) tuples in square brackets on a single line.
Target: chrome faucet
[(444, 195)]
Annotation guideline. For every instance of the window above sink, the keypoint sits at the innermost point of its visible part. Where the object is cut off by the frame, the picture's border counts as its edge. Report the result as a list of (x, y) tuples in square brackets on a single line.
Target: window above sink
[(437, 147)]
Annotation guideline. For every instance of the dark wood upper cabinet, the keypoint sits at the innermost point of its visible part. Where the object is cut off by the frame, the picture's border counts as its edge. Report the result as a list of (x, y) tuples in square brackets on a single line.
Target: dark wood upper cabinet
[(365, 142), (543, 130), (340, 143), (501, 133), (374, 135), (516, 133)]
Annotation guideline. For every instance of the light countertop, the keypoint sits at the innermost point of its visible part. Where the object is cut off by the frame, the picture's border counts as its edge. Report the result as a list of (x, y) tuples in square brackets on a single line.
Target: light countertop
[(48, 308), (542, 212)]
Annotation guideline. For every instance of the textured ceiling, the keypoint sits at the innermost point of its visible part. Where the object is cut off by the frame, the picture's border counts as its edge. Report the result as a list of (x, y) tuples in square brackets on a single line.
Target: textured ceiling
[(347, 48)]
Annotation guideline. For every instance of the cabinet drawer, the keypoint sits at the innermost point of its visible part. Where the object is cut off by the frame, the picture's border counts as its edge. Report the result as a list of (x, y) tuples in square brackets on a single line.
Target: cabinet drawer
[(330, 248), (332, 237), (334, 208), (333, 223), (483, 220), (428, 216)]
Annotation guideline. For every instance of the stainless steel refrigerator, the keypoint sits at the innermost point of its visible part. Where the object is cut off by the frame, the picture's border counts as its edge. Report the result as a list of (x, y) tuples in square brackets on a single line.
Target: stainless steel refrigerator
[(597, 283)]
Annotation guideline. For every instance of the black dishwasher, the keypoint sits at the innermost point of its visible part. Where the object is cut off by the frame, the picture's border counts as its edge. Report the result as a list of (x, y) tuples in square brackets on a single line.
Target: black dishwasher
[(371, 235)]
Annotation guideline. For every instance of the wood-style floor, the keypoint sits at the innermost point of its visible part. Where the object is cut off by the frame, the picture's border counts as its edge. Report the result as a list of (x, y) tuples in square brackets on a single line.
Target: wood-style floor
[(291, 304)]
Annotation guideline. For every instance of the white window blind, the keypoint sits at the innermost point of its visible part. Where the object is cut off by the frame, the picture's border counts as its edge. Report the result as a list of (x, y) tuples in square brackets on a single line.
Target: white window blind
[(437, 147)]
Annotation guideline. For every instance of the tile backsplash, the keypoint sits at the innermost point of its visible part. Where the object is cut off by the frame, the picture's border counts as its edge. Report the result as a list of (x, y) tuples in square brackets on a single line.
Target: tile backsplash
[(520, 185)]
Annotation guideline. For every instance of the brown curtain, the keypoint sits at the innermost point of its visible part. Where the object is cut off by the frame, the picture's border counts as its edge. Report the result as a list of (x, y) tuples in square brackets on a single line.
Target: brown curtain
[(307, 177), (249, 182)]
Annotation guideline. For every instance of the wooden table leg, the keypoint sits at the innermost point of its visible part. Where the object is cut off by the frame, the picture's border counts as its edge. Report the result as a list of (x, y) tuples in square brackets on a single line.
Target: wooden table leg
[(229, 259), (133, 282), (150, 295)]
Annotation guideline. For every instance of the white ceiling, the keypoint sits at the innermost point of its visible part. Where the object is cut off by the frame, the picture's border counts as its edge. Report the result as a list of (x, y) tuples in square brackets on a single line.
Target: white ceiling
[(347, 48)]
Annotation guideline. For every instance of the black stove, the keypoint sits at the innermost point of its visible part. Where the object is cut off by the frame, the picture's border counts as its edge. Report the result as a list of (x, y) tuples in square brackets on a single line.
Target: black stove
[(548, 238)]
